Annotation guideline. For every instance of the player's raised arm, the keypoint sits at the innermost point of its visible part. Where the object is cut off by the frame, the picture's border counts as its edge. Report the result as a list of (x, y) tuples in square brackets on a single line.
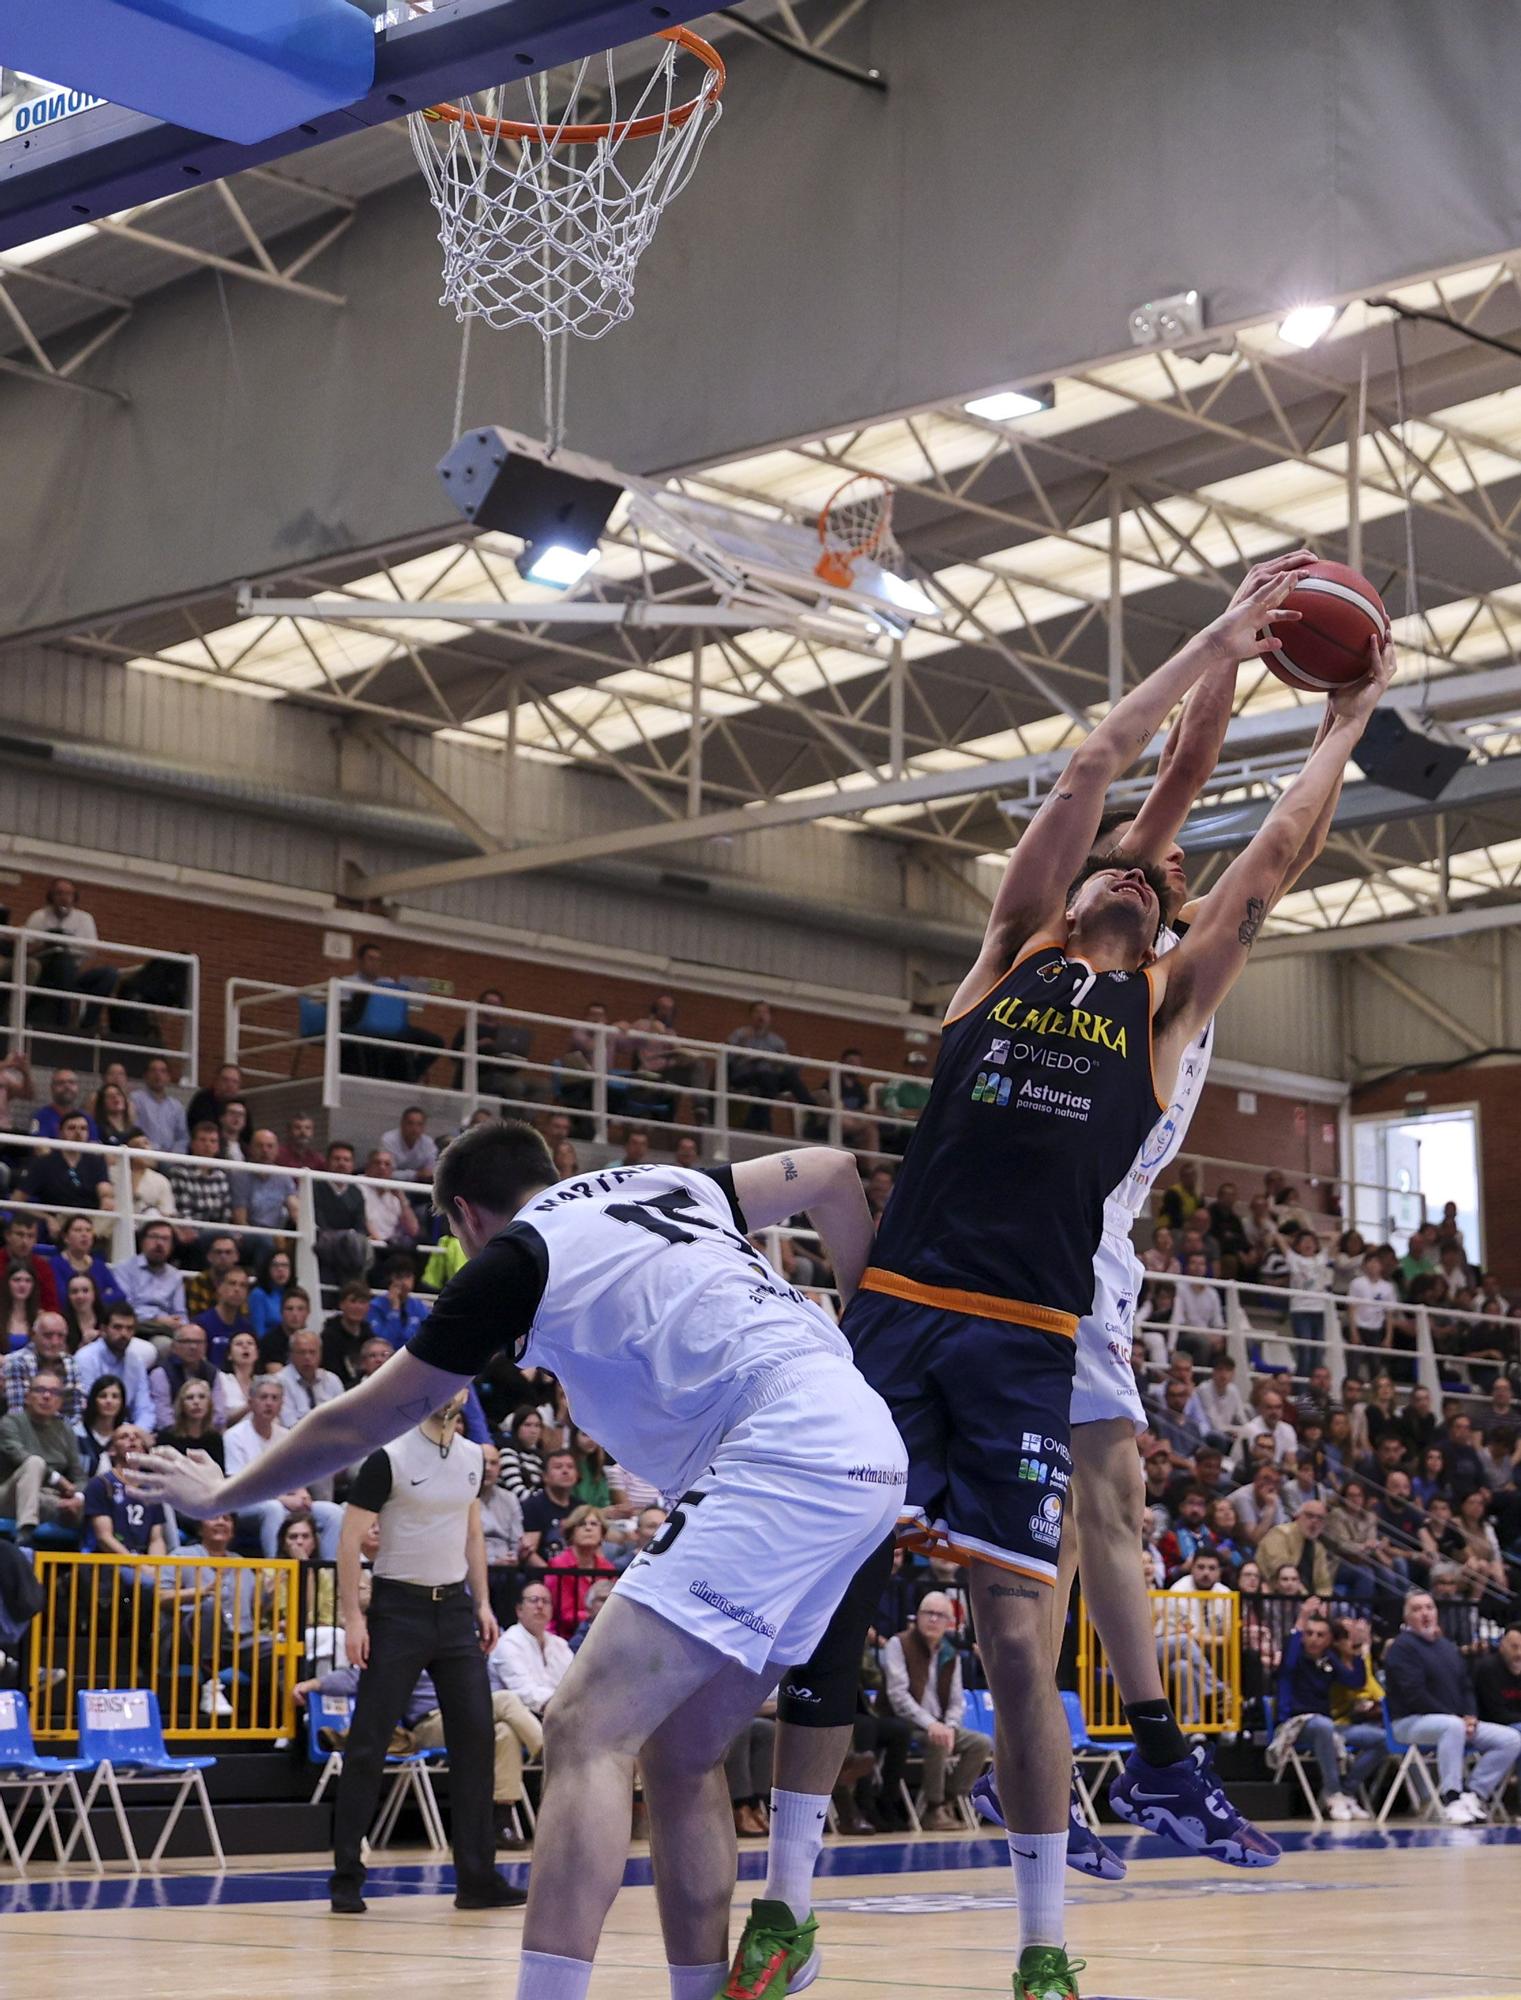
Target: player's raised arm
[(1059, 839), (1193, 748), (826, 1184), (1210, 960), (394, 1399)]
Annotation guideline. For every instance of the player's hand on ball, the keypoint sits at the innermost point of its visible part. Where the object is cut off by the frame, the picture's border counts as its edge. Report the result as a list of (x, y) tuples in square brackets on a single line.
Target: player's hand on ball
[(1244, 630), (189, 1482), (1358, 699), (1290, 563)]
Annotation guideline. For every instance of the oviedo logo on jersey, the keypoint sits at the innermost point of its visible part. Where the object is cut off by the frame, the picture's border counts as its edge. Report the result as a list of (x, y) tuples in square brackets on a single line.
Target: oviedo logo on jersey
[(1046, 1521)]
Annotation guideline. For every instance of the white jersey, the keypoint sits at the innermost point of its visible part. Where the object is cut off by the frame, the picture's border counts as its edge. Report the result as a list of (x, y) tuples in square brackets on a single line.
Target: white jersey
[(1165, 1140), (636, 1288)]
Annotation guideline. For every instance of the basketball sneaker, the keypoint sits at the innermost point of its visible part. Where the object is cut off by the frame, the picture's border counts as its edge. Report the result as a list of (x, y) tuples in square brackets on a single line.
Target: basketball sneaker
[(776, 1956), (1085, 1851), (1046, 1973), (1185, 1802)]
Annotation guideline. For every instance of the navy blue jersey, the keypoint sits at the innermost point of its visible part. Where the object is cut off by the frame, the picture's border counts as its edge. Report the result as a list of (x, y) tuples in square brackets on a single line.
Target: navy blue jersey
[(132, 1521), (1043, 1096)]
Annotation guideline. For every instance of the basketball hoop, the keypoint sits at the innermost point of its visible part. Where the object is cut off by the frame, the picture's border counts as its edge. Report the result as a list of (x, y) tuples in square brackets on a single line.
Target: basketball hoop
[(856, 526), (543, 221)]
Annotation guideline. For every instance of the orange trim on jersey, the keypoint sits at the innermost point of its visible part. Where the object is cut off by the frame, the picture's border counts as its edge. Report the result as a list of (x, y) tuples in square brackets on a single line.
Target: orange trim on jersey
[(1151, 1040), (980, 1305), (1035, 944), (941, 1543)]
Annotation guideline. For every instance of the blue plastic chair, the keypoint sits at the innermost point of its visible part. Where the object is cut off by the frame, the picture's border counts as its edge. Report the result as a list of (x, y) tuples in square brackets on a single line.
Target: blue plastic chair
[(411, 1776), (1414, 1764), (122, 1738), (48, 1778), (1092, 1760), (979, 1711)]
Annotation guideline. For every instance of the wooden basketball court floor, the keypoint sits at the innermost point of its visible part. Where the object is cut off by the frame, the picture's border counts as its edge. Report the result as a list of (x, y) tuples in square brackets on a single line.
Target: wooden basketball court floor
[(1419, 1914)]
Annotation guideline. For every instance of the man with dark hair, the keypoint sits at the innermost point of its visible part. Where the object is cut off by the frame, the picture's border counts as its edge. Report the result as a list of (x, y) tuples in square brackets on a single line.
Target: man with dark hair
[(206, 1106), (345, 1332), (121, 1353), (202, 1193), (1306, 1675), (545, 1510), (158, 1112), (343, 1240), (68, 1175), (686, 1357), (151, 1283), (295, 1313), (201, 1289), (359, 1020), (228, 1316), (1497, 1681), (21, 1250), (60, 962)]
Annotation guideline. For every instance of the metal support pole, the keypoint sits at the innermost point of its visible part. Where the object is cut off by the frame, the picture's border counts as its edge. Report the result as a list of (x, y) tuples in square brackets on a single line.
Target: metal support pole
[(332, 1066), (1355, 470), (721, 1097), (18, 995), (599, 1087), (472, 1076), (895, 681), (1444, 865), (124, 1228), (510, 802), (308, 1276), (1116, 600), (694, 740)]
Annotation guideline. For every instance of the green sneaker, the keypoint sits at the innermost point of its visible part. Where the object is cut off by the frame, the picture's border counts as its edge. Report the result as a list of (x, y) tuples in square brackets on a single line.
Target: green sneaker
[(776, 1955), (1046, 1973)]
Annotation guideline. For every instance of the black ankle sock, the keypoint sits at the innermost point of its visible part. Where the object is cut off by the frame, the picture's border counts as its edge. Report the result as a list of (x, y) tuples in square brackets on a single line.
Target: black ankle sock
[(1156, 1732)]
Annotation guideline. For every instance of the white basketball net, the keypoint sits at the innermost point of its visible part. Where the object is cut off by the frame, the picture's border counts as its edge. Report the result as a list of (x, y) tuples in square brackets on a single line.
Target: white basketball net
[(857, 526), (541, 232)]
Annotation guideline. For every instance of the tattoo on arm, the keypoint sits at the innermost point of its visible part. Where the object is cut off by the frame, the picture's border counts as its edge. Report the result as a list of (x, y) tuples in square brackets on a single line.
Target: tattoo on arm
[(1012, 1590), (789, 1167), (1251, 923)]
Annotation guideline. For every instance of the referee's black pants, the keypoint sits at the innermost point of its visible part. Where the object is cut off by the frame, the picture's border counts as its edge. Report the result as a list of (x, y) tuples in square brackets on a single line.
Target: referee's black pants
[(414, 1631)]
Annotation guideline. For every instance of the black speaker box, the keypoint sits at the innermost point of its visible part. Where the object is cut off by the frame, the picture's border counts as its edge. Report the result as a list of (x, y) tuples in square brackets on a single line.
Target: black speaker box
[(510, 494), (1392, 753)]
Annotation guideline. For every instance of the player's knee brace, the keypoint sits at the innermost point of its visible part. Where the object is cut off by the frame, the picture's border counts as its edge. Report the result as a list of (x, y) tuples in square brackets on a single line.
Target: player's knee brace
[(821, 1694)]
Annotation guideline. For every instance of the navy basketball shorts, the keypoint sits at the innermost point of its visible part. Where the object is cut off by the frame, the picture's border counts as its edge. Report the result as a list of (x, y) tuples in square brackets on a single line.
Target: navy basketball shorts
[(984, 1408)]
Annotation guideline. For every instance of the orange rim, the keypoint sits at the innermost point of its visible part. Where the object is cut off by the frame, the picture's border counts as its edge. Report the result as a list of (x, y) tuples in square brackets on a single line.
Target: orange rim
[(590, 135), (872, 542)]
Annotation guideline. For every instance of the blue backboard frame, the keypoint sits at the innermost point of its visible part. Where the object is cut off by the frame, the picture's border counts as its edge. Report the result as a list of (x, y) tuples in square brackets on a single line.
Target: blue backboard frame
[(106, 159)]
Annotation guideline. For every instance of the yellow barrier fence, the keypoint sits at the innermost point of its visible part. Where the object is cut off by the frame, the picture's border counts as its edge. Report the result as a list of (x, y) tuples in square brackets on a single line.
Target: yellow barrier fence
[(217, 1639), (1198, 1642)]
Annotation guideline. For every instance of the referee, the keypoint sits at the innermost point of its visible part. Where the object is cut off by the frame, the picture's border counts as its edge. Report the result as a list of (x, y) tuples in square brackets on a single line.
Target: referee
[(430, 1612)]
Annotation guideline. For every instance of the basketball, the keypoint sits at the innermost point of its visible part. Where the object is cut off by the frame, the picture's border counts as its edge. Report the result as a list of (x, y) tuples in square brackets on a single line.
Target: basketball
[(1328, 648)]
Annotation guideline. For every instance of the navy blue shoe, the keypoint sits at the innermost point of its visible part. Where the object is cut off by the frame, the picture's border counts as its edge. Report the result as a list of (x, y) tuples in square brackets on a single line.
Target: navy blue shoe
[(1184, 1802), (1085, 1851)]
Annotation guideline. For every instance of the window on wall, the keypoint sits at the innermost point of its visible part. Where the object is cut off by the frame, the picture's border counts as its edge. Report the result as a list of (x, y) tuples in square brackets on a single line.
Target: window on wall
[(1406, 1165)]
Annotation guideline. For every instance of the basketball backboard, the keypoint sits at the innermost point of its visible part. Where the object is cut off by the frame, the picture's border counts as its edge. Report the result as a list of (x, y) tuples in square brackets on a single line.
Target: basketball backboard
[(85, 160)]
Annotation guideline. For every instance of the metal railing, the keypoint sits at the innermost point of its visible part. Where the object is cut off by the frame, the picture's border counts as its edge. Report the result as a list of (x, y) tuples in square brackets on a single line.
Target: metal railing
[(184, 1626), (91, 1002), (1198, 1638)]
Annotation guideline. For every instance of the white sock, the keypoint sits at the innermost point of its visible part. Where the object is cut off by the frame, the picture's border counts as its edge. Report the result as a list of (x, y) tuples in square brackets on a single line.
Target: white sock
[(1040, 1862), (696, 1982), (542, 1976), (798, 1820)]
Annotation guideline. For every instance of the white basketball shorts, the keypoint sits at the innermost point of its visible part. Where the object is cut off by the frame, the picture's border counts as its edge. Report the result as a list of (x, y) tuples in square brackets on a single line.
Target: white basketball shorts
[(757, 1553), (1104, 1385)]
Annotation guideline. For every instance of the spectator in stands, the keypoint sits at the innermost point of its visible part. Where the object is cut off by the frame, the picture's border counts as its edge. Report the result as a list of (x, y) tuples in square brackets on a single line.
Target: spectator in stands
[(295, 1316), (1302, 1543), (544, 1511), (68, 1175), (245, 1365), (205, 1106), (1226, 1227), (306, 1383), (345, 1331), (74, 1255), (1258, 1507), (502, 1526), (398, 1312), (1499, 1458), (1432, 1701), (226, 1616), (580, 1564), (1309, 1273), (1464, 1472), (900, 1102), (1270, 1422), (104, 1413), (115, 1523), (202, 1193), (1311, 1666), (1417, 1422), (757, 1072), (387, 1062), (412, 1147), (155, 1289), (1306, 1483), (1197, 1314), (636, 1147), (63, 1102), (1209, 1474), (1481, 1546), (522, 1460), (152, 1195), (298, 1149), (389, 1217), (21, 1249), (923, 1673), (857, 1129), (641, 1531), (1262, 1261), (47, 1347), (244, 1444), (185, 1360), (1160, 1256), (1224, 1536), (233, 1123), (123, 1355), (498, 1048), (228, 1316), (1185, 1195), (1189, 1635), (193, 1425), (568, 1161), (1189, 1532), (879, 1186), (84, 1311), (1216, 1408), (529, 1660), (158, 1112), (1497, 1682), (266, 1302), (1363, 1557), (263, 1201), (1170, 1422), (21, 1306), (375, 1353), (41, 1473), (343, 1241), (1419, 1259), (112, 1115)]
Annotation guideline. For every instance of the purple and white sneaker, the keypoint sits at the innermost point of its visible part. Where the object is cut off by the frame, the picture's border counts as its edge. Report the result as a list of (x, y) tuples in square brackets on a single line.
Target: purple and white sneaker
[(1085, 1851), (1184, 1802)]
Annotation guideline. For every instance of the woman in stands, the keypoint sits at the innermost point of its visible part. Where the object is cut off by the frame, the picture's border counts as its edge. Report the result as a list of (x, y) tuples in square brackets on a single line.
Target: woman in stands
[(1430, 1483), (1347, 1260), (567, 1160), (584, 1534), (1225, 1536), (266, 1301), (84, 1309), (104, 1413), (592, 1488), (195, 1425), (20, 1304), (1481, 1549), (522, 1457), (74, 1256), (152, 1196), (233, 1122), (112, 1114), (240, 1371), (1339, 1453)]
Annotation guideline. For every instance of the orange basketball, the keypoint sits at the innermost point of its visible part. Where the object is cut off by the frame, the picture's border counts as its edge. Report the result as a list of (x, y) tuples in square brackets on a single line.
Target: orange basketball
[(1328, 647)]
